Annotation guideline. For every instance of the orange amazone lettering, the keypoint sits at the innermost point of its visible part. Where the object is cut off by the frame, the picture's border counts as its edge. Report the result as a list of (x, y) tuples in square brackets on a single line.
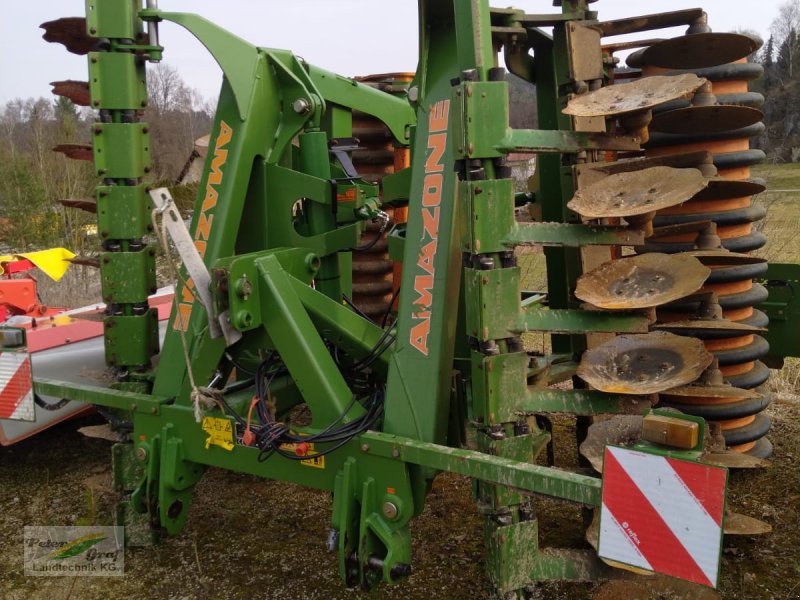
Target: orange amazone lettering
[(205, 220), (431, 200), (426, 256), (430, 222), (437, 142)]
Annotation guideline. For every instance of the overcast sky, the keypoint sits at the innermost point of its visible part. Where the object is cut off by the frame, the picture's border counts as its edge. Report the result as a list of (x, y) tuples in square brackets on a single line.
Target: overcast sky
[(350, 37)]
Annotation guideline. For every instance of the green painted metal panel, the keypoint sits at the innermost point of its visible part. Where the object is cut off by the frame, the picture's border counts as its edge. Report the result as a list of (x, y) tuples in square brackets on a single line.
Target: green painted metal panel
[(493, 305), (511, 553), (123, 212), (783, 309), (498, 386), (131, 340), (117, 81), (112, 19), (491, 215), (128, 277), (480, 118), (418, 388), (121, 150)]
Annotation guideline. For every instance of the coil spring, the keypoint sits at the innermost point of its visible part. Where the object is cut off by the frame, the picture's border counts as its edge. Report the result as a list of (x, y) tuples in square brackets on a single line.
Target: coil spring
[(743, 423)]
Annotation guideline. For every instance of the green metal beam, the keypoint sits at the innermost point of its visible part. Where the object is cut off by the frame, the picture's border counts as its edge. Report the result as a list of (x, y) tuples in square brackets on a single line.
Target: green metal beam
[(301, 348), (395, 112), (560, 141), (102, 396), (579, 321), (237, 58), (581, 402), (573, 235), (488, 468), (356, 335)]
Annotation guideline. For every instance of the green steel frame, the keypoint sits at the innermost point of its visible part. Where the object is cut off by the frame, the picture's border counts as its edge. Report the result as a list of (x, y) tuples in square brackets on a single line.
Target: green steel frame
[(268, 223)]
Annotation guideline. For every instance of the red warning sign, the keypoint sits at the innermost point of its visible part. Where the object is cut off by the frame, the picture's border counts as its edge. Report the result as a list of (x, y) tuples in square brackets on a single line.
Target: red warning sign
[(662, 514), (16, 387)]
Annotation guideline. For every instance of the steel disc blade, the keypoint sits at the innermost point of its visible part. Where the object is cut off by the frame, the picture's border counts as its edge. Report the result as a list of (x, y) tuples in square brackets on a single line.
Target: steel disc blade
[(87, 204), (619, 430), (644, 364), (85, 261), (723, 189), (739, 524), (639, 95), (699, 50), (642, 281), (70, 31), (705, 119), (77, 91), (637, 192), (734, 460), (707, 391), (75, 151), (724, 257), (696, 327)]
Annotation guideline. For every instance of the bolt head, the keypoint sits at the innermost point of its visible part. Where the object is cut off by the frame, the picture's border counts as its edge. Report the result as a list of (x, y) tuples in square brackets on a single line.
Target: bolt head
[(141, 454), (390, 510), (301, 106)]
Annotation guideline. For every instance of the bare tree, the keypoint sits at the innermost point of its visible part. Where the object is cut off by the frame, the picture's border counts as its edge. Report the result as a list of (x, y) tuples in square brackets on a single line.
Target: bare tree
[(177, 115), (784, 29)]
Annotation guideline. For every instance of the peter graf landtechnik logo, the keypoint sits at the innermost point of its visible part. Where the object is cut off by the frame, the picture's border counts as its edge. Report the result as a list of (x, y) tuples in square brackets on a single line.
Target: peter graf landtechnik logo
[(90, 551)]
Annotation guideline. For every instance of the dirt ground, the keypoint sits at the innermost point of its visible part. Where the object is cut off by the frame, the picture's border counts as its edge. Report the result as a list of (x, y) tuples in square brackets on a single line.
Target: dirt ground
[(248, 538), (253, 539)]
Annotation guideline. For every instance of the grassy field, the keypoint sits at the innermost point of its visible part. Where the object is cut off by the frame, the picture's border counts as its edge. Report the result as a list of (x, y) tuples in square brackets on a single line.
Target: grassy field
[(254, 539)]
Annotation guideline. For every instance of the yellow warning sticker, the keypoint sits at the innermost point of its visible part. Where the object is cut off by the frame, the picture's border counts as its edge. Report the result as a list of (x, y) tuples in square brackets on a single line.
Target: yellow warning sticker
[(220, 432)]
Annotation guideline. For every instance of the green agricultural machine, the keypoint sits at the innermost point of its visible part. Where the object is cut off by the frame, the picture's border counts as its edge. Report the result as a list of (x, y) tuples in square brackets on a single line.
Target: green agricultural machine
[(654, 339)]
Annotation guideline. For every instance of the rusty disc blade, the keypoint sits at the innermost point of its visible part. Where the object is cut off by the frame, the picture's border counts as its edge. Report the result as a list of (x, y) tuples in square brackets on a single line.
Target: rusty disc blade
[(85, 261), (642, 281), (644, 364), (639, 95), (75, 151), (87, 204), (724, 257), (739, 524), (77, 91), (707, 391), (699, 50), (637, 192), (619, 430), (707, 325), (722, 189), (70, 31), (734, 460), (705, 119)]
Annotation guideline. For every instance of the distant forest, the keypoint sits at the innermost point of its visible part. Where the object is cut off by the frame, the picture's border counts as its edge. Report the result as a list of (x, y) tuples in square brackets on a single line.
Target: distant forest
[(780, 85), (33, 177)]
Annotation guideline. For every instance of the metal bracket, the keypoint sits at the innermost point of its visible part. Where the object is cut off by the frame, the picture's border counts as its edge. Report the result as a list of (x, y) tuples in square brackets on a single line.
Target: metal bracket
[(194, 265)]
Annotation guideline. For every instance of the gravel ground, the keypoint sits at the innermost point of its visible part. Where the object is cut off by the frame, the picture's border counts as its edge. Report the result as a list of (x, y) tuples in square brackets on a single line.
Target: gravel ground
[(254, 539)]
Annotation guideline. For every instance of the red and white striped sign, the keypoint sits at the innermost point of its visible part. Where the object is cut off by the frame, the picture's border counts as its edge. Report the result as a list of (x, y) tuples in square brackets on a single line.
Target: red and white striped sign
[(16, 387), (662, 514)]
